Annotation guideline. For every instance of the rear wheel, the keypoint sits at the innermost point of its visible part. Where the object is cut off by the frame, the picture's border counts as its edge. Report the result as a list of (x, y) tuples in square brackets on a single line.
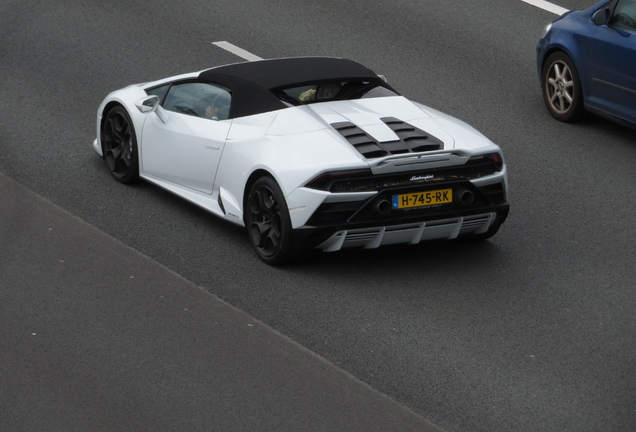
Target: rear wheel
[(119, 144), (268, 222), (561, 84)]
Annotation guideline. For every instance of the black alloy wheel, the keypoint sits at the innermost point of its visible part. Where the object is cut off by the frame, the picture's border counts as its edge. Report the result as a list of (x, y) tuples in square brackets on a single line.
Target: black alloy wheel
[(119, 144), (561, 84), (268, 222)]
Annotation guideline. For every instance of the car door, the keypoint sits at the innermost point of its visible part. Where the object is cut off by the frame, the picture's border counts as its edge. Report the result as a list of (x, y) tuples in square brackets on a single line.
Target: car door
[(183, 144), (612, 63)]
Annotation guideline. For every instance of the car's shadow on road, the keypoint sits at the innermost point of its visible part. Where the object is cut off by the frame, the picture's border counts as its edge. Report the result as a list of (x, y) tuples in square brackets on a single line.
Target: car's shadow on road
[(612, 131), (433, 257)]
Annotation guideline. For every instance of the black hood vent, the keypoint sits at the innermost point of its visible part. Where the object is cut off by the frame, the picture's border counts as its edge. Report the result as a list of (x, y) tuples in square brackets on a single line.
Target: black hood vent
[(367, 146), (411, 139)]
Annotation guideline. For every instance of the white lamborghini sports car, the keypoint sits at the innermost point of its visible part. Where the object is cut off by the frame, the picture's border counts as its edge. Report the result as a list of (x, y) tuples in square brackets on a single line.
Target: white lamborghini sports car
[(306, 153)]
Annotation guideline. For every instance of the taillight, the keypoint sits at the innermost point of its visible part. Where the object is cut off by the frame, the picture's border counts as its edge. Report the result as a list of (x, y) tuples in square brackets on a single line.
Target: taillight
[(324, 181), (494, 158)]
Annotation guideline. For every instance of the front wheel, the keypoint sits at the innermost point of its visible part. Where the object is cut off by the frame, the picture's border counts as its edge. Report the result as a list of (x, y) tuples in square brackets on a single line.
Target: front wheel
[(561, 85), (119, 144), (268, 223)]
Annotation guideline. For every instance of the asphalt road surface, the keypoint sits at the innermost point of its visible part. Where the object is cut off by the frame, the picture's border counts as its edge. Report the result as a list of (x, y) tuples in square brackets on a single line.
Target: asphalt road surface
[(531, 331), (128, 345)]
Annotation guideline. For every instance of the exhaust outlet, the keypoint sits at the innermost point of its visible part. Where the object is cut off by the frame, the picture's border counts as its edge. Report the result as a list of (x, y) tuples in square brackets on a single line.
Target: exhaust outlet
[(383, 207), (466, 197)]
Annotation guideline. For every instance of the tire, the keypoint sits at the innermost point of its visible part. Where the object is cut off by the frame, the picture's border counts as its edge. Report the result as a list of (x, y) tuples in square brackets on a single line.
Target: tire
[(119, 145), (561, 87), (268, 223)]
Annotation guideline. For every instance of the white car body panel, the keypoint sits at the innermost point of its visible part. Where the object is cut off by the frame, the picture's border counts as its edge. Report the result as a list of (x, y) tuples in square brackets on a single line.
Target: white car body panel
[(466, 136), (204, 200), (185, 150)]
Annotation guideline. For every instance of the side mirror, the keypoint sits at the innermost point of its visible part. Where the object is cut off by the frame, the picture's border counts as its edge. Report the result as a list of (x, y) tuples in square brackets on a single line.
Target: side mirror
[(383, 78), (601, 17), (147, 104)]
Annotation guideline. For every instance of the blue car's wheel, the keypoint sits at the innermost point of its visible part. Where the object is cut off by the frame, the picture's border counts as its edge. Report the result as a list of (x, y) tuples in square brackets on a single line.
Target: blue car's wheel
[(268, 222), (119, 144), (562, 87)]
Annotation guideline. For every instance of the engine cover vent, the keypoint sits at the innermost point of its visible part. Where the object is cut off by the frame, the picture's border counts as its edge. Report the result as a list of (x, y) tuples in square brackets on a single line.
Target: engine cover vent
[(415, 139), (360, 140), (411, 139)]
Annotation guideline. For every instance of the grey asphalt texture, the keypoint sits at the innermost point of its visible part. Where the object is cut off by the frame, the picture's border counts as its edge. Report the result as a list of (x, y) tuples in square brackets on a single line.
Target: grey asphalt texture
[(98, 337), (533, 330)]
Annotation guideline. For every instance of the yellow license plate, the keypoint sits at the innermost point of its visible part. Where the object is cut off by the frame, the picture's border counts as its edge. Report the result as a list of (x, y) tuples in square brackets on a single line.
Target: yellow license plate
[(421, 199)]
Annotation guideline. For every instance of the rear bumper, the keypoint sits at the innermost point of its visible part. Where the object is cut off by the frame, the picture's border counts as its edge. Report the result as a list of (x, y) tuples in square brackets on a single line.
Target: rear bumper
[(476, 205), (369, 236)]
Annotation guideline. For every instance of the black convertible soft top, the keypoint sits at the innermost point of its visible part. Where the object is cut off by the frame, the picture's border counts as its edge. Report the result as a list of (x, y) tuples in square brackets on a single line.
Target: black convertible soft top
[(254, 84)]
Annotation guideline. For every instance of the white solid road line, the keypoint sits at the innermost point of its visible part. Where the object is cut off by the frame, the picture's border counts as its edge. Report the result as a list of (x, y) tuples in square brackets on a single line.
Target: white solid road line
[(542, 4), (237, 51)]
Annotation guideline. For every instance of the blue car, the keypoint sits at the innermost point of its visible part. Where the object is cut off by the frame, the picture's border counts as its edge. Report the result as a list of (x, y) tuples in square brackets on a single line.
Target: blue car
[(586, 60)]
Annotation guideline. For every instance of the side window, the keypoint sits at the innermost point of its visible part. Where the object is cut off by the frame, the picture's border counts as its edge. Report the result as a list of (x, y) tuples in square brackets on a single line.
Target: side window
[(625, 15), (199, 100), (159, 92)]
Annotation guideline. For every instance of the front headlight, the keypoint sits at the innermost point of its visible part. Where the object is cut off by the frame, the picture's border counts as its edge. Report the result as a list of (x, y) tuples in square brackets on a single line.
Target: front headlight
[(545, 31)]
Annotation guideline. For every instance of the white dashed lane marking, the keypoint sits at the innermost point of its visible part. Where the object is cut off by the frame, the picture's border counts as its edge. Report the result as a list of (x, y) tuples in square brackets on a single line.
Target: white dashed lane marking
[(550, 7), (237, 51)]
